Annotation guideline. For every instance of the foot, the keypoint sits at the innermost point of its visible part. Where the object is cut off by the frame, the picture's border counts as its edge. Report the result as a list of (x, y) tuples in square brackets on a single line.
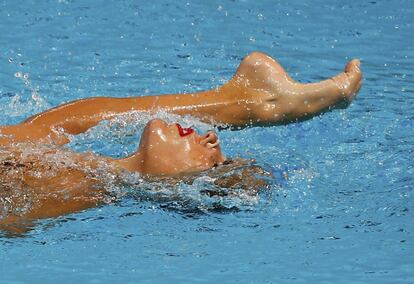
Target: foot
[(273, 97), (260, 72)]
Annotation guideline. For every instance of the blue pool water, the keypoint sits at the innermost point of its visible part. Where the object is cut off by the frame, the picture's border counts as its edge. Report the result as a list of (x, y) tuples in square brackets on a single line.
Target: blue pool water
[(344, 215)]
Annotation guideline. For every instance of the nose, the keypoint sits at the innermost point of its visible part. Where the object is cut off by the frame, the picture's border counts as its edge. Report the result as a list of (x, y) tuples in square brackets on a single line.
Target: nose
[(210, 140)]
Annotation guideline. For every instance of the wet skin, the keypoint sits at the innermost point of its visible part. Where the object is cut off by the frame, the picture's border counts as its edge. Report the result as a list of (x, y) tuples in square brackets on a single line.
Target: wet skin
[(169, 150), (260, 93), (68, 188)]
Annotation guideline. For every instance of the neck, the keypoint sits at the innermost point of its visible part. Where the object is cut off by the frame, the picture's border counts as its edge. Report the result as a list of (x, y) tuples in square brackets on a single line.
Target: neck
[(131, 163)]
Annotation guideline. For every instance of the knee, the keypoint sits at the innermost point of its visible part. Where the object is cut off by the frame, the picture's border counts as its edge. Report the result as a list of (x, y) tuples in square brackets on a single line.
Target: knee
[(256, 58), (256, 55), (256, 62)]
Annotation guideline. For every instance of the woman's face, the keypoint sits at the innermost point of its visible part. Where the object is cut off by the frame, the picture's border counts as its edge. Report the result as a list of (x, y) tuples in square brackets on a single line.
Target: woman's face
[(169, 149)]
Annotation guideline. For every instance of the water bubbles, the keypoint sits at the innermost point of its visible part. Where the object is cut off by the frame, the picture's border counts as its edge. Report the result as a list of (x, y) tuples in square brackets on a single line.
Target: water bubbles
[(221, 9), (38, 100)]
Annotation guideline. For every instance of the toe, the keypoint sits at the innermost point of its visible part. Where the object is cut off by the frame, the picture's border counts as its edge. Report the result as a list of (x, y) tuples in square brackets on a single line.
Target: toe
[(353, 71), (353, 66)]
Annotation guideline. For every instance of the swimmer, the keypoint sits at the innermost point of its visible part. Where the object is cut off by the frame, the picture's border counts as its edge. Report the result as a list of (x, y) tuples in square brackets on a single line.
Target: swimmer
[(261, 93)]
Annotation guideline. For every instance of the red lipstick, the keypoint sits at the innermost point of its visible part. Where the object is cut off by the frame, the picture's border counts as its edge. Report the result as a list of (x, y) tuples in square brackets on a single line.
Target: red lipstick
[(184, 131)]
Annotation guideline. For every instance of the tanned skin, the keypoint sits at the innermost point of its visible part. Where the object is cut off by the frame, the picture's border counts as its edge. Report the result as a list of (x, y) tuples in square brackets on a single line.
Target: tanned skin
[(261, 93)]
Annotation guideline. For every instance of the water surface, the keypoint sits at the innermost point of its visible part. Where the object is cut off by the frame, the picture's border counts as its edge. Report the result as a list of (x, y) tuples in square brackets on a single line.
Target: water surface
[(344, 215)]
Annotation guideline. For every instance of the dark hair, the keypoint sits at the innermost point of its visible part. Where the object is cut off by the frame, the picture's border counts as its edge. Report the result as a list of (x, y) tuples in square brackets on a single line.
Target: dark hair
[(231, 176)]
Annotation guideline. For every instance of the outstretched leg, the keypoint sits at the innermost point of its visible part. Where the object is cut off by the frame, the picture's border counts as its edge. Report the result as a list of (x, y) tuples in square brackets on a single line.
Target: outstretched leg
[(260, 93)]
